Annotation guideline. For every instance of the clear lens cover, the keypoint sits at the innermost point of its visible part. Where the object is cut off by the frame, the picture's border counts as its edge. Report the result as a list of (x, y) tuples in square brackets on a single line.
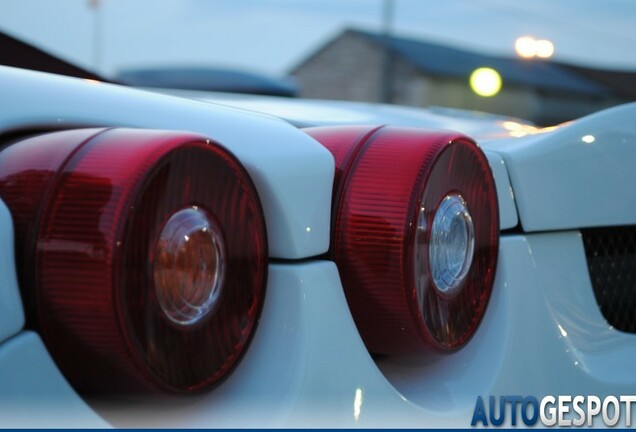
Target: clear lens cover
[(189, 266), (452, 244)]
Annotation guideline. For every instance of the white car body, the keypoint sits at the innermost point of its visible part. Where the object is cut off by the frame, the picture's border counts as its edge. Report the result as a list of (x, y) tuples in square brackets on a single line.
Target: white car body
[(542, 334)]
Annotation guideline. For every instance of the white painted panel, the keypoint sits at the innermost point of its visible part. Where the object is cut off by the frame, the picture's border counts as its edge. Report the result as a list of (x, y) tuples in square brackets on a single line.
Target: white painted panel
[(11, 312), (292, 173), (33, 393), (579, 175), (507, 209)]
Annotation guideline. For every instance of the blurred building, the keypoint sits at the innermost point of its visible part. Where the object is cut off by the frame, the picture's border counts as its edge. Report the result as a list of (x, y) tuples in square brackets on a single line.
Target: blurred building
[(352, 66)]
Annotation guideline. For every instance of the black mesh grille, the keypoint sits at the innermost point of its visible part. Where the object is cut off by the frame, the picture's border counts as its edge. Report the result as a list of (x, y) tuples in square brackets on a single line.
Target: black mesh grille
[(611, 259)]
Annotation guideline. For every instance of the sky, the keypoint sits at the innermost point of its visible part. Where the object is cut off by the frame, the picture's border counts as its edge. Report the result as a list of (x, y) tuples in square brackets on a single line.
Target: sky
[(272, 36)]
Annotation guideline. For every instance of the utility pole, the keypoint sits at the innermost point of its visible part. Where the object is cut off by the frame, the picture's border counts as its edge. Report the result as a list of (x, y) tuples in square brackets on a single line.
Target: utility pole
[(97, 34), (387, 70)]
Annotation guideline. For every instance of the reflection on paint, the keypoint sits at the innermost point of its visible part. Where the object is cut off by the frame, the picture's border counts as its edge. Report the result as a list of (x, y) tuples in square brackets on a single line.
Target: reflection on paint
[(357, 404)]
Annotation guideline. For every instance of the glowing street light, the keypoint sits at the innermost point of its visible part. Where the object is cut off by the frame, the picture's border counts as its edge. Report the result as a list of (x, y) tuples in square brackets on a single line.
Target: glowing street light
[(545, 48), (485, 82), (528, 47)]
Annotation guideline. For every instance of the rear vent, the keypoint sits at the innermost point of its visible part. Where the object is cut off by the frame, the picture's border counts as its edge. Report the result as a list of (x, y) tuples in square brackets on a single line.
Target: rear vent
[(611, 260)]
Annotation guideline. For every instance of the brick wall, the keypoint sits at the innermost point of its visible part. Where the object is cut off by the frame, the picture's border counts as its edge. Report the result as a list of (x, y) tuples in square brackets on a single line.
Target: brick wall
[(348, 68), (351, 67)]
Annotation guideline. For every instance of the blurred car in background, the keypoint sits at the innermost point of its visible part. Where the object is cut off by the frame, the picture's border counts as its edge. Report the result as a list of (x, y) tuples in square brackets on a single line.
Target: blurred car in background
[(209, 79)]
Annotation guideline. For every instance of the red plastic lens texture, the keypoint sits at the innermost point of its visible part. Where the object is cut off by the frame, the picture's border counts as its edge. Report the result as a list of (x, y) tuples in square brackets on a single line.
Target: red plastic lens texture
[(377, 201), (102, 202)]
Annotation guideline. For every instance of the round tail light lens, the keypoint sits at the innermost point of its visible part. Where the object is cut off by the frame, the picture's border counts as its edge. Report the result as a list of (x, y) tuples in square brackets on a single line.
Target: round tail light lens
[(150, 255), (415, 234), (189, 266), (452, 243)]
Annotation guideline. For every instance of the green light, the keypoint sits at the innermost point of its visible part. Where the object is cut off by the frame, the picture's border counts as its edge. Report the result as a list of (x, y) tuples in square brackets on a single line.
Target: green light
[(485, 82)]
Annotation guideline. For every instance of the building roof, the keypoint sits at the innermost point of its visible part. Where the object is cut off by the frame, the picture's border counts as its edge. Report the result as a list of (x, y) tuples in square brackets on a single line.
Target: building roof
[(443, 60), (622, 83), (20, 54)]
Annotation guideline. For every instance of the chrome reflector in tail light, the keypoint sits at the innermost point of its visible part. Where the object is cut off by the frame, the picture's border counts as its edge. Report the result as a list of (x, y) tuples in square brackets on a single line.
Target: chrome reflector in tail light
[(142, 255), (415, 234)]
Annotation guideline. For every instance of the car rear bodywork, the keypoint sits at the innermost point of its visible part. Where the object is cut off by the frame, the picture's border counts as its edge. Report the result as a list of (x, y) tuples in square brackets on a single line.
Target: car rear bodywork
[(543, 332)]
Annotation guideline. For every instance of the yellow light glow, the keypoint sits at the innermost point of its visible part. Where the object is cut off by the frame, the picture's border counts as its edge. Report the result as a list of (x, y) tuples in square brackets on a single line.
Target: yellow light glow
[(552, 128), (544, 48), (526, 47), (518, 130), (588, 139), (485, 82), (511, 125)]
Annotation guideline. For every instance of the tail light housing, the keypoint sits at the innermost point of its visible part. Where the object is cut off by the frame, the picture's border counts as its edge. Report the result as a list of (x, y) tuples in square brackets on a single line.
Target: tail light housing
[(142, 255), (415, 234)]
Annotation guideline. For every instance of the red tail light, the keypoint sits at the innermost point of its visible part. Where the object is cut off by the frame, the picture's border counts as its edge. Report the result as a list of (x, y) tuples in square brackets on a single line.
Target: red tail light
[(415, 234), (149, 250)]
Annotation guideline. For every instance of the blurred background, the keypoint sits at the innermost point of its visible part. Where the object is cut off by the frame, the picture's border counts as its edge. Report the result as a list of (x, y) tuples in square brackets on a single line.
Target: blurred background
[(545, 61)]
